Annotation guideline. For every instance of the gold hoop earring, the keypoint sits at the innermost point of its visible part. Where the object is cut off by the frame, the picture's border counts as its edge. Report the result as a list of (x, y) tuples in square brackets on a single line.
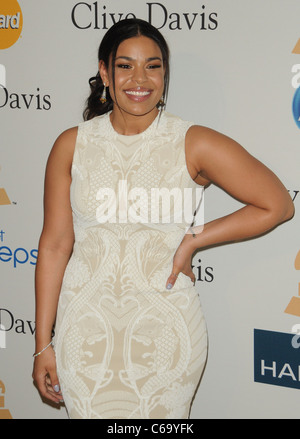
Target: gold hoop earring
[(103, 97)]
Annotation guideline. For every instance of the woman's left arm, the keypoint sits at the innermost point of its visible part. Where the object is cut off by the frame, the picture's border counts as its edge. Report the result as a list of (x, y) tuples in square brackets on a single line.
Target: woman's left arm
[(218, 159)]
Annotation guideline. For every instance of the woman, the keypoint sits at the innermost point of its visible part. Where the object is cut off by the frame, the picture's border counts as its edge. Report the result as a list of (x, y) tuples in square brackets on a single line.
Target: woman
[(130, 339)]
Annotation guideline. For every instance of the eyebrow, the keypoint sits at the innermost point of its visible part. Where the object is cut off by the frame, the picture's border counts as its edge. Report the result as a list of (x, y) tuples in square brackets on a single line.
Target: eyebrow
[(128, 58)]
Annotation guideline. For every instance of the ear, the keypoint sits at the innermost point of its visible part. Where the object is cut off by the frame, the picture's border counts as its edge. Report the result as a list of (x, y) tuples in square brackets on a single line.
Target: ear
[(103, 72)]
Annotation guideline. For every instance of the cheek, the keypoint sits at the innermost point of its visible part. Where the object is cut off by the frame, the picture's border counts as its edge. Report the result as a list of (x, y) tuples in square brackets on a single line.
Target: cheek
[(158, 81), (161, 80), (114, 86), (162, 84), (121, 79)]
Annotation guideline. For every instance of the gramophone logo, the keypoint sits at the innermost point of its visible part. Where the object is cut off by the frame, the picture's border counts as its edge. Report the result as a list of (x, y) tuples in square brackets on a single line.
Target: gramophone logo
[(4, 413), (4, 199), (294, 305), (297, 48)]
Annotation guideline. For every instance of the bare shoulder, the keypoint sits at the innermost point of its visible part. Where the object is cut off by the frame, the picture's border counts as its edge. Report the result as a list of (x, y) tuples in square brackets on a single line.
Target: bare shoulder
[(201, 145), (61, 154), (210, 151), (65, 142), (200, 138), (57, 229)]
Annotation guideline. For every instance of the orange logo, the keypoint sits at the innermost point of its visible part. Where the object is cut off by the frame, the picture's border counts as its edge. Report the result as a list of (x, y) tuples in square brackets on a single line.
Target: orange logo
[(11, 23), (294, 305), (4, 197), (4, 413), (297, 48)]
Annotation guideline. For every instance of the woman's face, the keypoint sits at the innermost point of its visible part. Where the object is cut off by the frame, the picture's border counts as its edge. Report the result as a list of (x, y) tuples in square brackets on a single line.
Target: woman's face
[(139, 76)]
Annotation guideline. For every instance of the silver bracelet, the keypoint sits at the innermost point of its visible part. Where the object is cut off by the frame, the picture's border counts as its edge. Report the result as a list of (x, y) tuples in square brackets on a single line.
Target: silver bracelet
[(39, 353)]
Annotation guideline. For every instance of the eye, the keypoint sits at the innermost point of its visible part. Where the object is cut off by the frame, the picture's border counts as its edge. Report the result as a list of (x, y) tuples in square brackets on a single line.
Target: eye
[(123, 66), (154, 66)]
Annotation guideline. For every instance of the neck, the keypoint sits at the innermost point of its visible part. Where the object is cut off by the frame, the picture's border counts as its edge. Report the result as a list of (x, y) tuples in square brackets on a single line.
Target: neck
[(129, 124)]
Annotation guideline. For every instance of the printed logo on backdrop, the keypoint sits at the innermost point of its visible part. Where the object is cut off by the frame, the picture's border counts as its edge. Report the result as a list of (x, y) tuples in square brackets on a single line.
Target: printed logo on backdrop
[(276, 358), (24, 101), (18, 101), (4, 413), (11, 23), (99, 16), (9, 322), (293, 307), (4, 199), (16, 257), (276, 354), (296, 85)]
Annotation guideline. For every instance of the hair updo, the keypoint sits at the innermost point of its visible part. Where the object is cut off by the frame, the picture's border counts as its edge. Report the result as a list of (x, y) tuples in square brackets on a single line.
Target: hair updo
[(119, 32)]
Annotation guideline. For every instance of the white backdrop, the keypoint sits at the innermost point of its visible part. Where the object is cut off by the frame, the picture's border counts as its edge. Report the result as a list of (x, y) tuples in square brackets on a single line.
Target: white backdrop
[(234, 69)]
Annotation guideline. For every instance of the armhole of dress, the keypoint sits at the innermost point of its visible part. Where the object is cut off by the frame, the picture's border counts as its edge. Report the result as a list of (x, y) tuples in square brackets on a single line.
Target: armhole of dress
[(73, 164), (188, 126), (197, 187)]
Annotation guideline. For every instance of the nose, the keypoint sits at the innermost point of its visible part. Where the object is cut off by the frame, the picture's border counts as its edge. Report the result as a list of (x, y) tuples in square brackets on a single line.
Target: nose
[(139, 75)]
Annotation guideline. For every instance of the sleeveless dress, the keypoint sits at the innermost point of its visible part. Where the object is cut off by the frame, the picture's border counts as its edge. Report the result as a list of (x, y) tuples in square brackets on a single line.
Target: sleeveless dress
[(127, 347)]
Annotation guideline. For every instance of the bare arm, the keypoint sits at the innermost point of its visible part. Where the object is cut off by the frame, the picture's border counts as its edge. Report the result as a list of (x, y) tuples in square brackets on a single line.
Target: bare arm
[(218, 159), (55, 248)]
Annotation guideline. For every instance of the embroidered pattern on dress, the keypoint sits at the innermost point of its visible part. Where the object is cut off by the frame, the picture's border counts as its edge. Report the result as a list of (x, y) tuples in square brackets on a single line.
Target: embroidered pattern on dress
[(125, 346)]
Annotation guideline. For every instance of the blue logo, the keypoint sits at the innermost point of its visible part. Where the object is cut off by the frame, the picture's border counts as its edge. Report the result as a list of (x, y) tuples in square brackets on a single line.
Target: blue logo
[(17, 256), (296, 107), (277, 358)]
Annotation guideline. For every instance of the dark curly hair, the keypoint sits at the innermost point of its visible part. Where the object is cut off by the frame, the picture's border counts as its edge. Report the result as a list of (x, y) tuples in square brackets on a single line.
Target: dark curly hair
[(119, 32)]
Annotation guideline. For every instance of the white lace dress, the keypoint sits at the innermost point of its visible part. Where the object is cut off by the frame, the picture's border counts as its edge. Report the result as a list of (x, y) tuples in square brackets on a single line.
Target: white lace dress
[(126, 347)]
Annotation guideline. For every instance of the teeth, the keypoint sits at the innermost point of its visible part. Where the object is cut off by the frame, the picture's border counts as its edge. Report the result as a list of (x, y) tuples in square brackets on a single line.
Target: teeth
[(138, 93)]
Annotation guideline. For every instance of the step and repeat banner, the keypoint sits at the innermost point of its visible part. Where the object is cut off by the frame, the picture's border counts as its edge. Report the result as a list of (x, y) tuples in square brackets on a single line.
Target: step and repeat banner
[(235, 67)]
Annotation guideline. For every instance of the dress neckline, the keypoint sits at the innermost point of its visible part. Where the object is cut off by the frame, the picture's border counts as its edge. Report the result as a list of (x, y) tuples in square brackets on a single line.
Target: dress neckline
[(153, 126)]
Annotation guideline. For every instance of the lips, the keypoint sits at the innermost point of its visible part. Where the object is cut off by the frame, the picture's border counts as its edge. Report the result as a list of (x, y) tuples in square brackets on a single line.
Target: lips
[(137, 93)]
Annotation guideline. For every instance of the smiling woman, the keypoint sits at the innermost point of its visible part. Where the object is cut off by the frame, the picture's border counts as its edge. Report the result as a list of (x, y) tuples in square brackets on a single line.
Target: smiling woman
[(130, 335), (109, 64), (137, 82)]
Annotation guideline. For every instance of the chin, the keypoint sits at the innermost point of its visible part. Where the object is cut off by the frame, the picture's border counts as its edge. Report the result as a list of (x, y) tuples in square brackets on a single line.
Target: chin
[(139, 110)]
